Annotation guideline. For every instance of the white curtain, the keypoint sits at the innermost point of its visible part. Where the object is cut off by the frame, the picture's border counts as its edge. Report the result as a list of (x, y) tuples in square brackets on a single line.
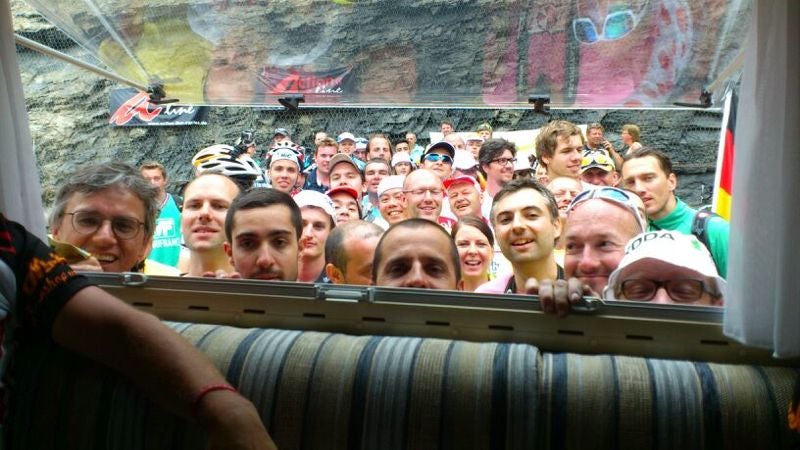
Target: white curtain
[(20, 192), (763, 308)]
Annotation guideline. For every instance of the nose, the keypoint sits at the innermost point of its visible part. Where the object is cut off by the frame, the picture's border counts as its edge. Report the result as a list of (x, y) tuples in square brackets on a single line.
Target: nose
[(588, 263), (104, 233), (416, 277), (205, 210), (307, 230), (264, 260), (516, 222), (473, 248), (662, 297)]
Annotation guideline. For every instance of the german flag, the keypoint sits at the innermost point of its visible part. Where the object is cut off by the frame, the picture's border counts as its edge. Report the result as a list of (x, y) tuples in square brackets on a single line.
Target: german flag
[(723, 182)]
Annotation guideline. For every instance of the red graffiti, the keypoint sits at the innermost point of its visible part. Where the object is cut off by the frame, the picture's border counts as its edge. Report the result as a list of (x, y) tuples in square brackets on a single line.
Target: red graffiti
[(137, 106)]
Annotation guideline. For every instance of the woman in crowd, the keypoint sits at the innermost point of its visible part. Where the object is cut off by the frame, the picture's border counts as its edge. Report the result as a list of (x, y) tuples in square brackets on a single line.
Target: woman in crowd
[(630, 137), (475, 244)]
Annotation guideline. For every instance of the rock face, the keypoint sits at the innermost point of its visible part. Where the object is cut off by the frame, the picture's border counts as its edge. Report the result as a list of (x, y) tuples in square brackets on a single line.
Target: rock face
[(68, 113)]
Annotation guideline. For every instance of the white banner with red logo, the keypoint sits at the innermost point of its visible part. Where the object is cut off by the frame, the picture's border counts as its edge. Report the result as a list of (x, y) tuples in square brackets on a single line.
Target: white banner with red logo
[(131, 108)]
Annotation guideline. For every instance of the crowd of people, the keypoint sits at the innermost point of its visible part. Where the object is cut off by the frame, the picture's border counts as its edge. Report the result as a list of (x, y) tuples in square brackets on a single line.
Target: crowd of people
[(464, 213)]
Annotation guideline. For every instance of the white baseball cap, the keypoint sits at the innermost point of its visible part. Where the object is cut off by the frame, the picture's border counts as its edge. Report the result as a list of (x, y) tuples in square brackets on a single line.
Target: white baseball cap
[(308, 197), (390, 182), (670, 248), (464, 160), (283, 154), (345, 136)]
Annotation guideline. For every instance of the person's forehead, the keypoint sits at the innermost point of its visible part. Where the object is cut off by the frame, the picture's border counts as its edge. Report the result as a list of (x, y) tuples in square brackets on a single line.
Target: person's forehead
[(568, 141), (311, 213), (462, 187), (563, 183), (392, 193), (152, 172), (378, 141), (263, 220), (601, 216), (524, 198), (81, 200), (344, 168), (342, 197), (421, 179), (417, 244), (376, 166), (283, 164), (644, 164), (211, 186)]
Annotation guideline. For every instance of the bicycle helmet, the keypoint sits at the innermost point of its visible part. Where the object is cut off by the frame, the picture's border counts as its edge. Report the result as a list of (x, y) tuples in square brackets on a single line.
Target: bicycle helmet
[(221, 158), (298, 150)]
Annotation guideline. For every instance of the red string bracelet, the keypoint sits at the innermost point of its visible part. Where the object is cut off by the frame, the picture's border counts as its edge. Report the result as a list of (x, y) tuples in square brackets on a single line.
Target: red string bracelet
[(205, 390)]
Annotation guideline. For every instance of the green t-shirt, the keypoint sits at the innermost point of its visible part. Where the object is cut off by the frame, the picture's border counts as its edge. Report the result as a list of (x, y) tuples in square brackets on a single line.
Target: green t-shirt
[(167, 235), (681, 220)]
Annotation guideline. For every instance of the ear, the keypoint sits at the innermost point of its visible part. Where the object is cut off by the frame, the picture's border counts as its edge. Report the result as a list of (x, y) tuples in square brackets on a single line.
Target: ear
[(460, 285), (228, 251), (672, 182), (334, 274), (558, 227)]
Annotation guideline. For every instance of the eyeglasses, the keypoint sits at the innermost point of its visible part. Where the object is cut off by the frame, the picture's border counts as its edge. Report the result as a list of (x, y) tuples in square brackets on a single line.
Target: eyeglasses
[(613, 194), (88, 222), (436, 157), (421, 192), (504, 161), (684, 290), (616, 25), (598, 158)]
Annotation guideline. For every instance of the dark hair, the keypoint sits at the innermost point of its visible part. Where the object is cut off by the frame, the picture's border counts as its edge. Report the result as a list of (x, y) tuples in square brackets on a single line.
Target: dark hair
[(415, 223), (351, 230), (494, 148), (474, 222), (400, 142), (447, 122), (263, 198), (595, 126), (663, 160), (526, 183), (108, 175)]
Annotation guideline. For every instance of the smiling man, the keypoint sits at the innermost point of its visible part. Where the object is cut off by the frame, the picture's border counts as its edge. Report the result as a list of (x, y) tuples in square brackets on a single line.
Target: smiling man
[(464, 195), (392, 202), (284, 169), (109, 210), (263, 227), (526, 225), (439, 158), (376, 170), (559, 148), (205, 204), (425, 195)]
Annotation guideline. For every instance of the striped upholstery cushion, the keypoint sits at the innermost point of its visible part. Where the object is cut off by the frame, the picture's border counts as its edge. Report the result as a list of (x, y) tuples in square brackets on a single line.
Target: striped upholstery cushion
[(331, 391)]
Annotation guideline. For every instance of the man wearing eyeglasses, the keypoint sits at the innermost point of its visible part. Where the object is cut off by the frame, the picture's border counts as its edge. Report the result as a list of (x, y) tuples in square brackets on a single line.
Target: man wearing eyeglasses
[(425, 195), (109, 211), (439, 159), (666, 267), (496, 157)]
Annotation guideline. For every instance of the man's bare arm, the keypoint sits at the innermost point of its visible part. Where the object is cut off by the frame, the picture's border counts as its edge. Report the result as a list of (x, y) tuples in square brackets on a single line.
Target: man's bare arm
[(161, 363)]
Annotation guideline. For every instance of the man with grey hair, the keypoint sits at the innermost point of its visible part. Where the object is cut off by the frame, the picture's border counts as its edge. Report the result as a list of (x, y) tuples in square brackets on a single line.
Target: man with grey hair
[(349, 251), (108, 210)]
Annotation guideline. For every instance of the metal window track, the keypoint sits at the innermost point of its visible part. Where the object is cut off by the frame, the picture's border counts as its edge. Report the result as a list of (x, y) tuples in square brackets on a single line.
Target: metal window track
[(625, 328)]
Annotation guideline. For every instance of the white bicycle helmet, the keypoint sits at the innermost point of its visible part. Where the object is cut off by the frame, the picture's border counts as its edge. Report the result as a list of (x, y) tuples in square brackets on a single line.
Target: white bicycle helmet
[(220, 158)]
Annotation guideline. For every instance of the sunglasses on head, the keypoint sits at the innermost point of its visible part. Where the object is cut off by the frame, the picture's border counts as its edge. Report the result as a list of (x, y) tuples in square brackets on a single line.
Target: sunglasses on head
[(616, 25), (612, 194), (436, 157), (596, 158)]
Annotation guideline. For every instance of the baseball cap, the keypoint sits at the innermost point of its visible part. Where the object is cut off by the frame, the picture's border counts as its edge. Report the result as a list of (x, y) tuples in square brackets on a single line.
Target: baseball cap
[(462, 179), (345, 136), (361, 143), (401, 157), (346, 189), (666, 247), (484, 127), (522, 163), (281, 131), (390, 182), (597, 159), (283, 154), (474, 137), (317, 199), (464, 160), (340, 158), (441, 144)]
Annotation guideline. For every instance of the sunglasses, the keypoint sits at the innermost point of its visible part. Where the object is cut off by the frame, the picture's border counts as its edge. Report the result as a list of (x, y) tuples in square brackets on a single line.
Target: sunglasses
[(598, 158), (616, 25), (612, 194), (436, 157)]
